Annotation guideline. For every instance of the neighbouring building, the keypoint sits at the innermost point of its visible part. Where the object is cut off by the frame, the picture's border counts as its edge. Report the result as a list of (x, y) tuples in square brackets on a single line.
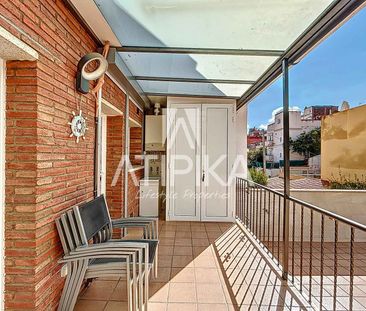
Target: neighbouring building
[(299, 122), (343, 145), (317, 112), (255, 138), (274, 139)]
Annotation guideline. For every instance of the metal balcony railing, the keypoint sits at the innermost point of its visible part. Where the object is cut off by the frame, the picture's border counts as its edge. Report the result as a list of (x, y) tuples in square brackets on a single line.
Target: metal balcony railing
[(325, 253)]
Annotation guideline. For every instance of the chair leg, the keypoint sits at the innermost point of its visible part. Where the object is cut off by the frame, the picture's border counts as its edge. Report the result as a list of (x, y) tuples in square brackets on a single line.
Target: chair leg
[(156, 263), (66, 287), (72, 286), (79, 281)]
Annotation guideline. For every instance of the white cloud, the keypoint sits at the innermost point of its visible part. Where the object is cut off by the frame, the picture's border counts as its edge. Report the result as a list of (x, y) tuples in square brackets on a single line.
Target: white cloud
[(279, 109), (263, 126)]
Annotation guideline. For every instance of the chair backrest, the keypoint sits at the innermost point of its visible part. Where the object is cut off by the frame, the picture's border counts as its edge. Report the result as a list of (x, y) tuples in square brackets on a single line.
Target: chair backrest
[(68, 231), (94, 220)]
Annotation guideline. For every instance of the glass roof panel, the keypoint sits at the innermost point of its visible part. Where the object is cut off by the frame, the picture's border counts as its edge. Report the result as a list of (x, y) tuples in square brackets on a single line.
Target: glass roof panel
[(197, 66), (190, 88), (229, 24)]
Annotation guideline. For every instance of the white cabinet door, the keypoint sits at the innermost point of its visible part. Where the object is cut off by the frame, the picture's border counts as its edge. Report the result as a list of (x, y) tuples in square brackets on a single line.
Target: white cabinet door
[(200, 155), (184, 151), (217, 157)]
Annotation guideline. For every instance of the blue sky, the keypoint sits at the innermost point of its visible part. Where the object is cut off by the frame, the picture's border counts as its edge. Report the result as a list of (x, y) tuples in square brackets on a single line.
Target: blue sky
[(333, 72)]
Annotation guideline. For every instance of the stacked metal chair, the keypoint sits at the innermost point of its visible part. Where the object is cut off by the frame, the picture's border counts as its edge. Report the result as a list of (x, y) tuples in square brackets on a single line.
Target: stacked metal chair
[(91, 252)]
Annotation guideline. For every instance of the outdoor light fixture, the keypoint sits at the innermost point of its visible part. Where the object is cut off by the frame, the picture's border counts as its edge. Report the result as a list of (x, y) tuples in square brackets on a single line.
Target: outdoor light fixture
[(83, 76)]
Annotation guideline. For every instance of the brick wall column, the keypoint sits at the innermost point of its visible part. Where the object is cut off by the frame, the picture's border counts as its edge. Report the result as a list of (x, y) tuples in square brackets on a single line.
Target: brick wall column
[(114, 177), (20, 185)]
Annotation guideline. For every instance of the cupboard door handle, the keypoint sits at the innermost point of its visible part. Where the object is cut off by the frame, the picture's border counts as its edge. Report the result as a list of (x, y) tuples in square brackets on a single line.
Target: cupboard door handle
[(203, 176)]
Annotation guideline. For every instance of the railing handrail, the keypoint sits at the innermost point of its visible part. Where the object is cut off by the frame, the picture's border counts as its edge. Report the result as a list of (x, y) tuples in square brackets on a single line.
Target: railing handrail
[(318, 209)]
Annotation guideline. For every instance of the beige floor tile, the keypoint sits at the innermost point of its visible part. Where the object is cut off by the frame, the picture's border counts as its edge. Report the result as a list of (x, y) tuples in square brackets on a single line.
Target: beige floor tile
[(90, 305), (206, 275), (196, 230), (204, 261), (100, 290), (165, 261), (166, 250), (210, 293), (183, 242), (163, 275), (167, 234), (158, 292), (182, 261), (182, 292), (202, 250), (116, 306), (120, 292), (183, 250), (212, 307), (182, 275), (182, 307), (201, 242), (157, 306), (166, 241), (183, 235)]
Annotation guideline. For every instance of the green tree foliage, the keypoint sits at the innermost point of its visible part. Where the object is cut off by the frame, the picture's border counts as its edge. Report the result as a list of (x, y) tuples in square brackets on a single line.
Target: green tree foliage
[(258, 176), (307, 143), (255, 156)]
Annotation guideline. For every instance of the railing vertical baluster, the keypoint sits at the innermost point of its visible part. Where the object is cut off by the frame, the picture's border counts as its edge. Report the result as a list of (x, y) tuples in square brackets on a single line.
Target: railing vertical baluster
[(260, 214), (264, 215), (256, 210), (321, 262), (335, 264), (237, 197), (301, 244), (293, 241), (251, 209), (351, 269), (242, 192), (269, 219), (311, 254), (273, 223), (279, 229), (248, 204)]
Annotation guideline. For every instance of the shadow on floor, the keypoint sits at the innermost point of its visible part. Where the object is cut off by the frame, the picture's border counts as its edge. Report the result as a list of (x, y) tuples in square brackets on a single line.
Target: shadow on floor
[(202, 266)]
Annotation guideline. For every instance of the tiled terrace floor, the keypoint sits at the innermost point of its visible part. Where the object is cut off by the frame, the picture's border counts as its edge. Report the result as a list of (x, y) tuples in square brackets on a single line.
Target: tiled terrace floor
[(198, 270)]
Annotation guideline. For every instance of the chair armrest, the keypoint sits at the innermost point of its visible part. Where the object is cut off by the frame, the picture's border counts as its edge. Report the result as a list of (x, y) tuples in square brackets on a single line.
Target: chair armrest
[(105, 250), (149, 225)]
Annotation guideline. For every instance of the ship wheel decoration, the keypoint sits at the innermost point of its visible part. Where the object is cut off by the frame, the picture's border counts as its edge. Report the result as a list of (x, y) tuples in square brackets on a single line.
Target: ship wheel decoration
[(78, 126)]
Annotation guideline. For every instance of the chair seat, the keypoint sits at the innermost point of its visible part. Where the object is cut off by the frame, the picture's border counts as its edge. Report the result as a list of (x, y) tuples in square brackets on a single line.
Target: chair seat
[(153, 245)]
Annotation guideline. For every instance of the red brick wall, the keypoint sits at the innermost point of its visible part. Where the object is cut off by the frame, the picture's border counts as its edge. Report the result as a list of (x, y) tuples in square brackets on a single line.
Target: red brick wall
[(135, 113), (133, 191), (21, 171), (47, 172), (115, 169), (113, 94), (135, 145)]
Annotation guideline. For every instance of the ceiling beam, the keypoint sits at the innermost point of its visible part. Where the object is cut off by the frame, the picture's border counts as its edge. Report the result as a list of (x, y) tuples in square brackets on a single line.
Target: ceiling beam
[(192, 80), (207, 51), (190, 95)]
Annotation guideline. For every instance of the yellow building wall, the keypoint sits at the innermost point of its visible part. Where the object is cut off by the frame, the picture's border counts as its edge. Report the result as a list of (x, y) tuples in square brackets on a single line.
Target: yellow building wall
[(343, 145)]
